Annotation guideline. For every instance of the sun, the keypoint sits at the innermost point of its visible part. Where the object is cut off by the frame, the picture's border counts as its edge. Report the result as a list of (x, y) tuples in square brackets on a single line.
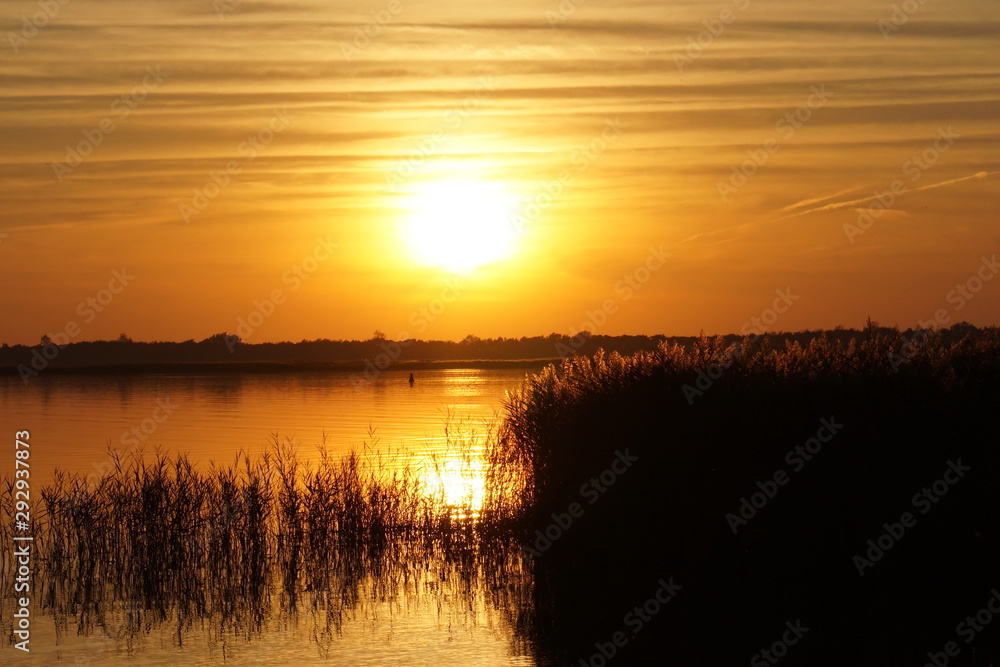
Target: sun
[(459, 225)]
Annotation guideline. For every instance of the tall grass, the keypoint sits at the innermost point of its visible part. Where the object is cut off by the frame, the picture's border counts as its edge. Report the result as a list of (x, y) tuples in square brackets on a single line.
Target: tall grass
[(906, 408), (160, 543), (539, 442)]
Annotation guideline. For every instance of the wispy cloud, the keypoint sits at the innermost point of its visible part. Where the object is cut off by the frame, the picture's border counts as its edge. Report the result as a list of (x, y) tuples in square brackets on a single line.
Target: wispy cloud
[(355, 121), (816, 200), (854, 203)]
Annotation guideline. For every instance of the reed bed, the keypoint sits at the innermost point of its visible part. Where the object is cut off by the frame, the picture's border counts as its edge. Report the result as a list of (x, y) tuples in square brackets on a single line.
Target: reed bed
[(160, 543), (542, 419), (708, 422)]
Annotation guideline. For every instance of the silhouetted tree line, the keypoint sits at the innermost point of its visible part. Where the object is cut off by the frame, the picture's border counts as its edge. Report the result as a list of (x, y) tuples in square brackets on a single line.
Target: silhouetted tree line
[(226, 348)]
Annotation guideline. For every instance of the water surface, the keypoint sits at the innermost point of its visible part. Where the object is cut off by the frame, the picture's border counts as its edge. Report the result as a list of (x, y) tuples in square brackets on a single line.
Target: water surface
[(442, 616), (73, 418)]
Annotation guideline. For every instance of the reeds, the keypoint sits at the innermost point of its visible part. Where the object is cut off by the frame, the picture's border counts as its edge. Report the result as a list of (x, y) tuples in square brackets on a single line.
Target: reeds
[(707, 423), (158, 542), (539, 435)]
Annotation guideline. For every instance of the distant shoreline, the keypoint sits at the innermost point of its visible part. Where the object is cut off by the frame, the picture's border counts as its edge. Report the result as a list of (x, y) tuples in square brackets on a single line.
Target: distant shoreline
[(207, 367), (223, 353)]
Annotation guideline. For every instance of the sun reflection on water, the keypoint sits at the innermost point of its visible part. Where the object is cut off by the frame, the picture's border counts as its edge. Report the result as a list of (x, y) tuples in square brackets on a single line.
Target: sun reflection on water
[(457, 482)]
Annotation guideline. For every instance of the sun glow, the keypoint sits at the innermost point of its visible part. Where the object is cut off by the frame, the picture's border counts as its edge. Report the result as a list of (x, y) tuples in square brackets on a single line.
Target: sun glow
[(458, 483), (458, 225)]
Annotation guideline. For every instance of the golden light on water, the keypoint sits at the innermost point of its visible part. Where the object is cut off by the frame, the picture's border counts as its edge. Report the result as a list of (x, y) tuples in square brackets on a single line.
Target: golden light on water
[(460, 224), (458, 482)]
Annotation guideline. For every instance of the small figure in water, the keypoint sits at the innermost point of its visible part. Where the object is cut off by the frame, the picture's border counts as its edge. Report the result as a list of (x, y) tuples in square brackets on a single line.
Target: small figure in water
[(411, 379)]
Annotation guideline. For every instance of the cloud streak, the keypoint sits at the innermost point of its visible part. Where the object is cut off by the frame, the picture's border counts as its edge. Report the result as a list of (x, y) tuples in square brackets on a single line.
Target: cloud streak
[(855, 203), (356, 121)]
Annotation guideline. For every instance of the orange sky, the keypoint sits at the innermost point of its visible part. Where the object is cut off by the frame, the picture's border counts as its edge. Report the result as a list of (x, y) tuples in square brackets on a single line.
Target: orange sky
[(632, 116)]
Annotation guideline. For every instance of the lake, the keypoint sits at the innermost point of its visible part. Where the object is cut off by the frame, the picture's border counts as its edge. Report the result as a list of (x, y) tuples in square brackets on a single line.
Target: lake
[(73, 419)]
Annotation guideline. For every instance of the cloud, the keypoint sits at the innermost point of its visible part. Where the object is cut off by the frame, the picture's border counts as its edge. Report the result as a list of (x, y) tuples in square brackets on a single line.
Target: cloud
[(854, 203)]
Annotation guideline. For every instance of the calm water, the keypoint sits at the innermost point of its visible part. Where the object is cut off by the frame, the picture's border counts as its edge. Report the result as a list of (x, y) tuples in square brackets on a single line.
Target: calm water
[(73, 420)]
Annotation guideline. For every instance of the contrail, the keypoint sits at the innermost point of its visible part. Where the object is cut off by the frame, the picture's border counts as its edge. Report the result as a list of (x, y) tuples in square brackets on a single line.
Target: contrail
[(831, 207), (816, 200), (865, 200)]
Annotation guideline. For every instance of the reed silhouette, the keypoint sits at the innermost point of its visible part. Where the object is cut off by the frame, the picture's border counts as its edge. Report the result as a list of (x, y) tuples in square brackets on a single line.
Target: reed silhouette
[(907, 407), (160, 543), (233, 551)]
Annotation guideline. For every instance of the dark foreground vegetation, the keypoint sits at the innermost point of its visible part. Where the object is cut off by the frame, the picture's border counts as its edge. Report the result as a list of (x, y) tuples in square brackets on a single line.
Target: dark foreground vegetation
[(832, 501), (711, 425), (160, 546)]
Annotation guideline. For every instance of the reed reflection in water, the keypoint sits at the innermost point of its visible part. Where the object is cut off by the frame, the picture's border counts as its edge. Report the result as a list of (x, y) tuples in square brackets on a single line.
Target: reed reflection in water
[(232, 555)]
